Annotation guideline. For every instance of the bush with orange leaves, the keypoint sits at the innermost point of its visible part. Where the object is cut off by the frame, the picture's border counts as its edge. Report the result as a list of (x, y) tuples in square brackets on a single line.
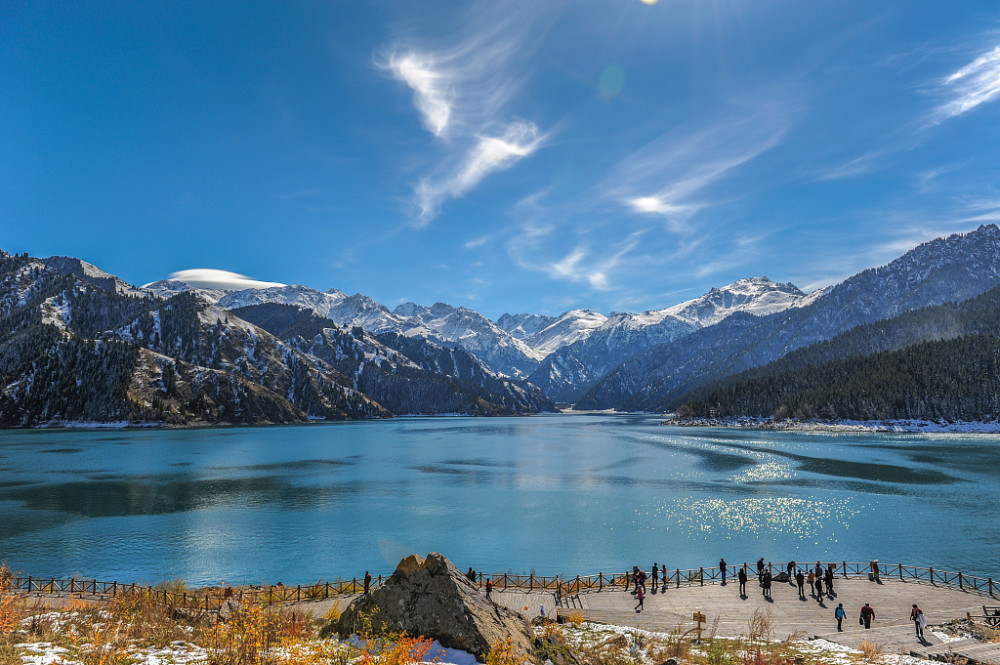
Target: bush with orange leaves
[(502, 653), (11, 605)]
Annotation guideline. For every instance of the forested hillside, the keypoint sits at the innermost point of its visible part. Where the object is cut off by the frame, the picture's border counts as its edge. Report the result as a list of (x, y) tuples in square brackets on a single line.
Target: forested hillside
[(955, 379)]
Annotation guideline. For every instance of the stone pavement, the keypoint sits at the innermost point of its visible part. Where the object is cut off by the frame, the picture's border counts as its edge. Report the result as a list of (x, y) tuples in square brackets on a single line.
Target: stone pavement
[(728, 614)]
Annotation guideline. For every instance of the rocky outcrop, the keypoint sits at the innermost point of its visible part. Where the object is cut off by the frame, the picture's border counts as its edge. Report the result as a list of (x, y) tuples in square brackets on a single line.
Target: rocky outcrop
[(431, 597)]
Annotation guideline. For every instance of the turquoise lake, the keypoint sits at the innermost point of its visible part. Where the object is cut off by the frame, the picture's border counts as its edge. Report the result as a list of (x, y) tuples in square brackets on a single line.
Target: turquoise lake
[(557, 494)]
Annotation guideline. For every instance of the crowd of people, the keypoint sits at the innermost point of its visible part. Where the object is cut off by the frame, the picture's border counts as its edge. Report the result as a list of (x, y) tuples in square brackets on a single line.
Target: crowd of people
[(819, 578)]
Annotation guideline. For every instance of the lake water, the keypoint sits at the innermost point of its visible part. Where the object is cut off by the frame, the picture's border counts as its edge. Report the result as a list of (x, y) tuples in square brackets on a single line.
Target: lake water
[(557, 494)]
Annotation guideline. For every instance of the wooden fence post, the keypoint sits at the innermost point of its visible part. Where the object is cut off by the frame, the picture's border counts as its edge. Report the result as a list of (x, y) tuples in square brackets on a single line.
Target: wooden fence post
[(600, 581), (114, 588), (900, 572), (531, 582), (701, 575), (931, 571), (678, 578), (845, 570), (29, 583), (960, 585)]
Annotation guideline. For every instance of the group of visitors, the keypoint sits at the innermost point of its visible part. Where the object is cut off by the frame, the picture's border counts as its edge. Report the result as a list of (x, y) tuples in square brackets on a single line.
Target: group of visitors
[(636, 580)]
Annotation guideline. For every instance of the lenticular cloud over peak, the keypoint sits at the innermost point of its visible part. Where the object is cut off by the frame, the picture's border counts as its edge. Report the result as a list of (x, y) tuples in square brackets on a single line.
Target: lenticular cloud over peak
[(209, 278)]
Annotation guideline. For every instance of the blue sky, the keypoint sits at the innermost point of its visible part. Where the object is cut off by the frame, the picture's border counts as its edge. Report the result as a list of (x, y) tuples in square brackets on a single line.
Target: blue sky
[(525, 157)]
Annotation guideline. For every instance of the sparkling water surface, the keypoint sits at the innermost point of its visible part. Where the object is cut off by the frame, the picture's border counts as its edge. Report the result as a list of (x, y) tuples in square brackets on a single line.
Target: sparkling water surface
[(557, 494)]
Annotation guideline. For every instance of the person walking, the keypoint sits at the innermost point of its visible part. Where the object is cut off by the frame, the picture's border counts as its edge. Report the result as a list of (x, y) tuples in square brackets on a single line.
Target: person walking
[(828, 579), (489, 586), (656, 572), (767, 584), (368, 581), (640, 594), (722, 569), (867, 616), (635, 579), (839, 613), (800, 579), (663, 569), (819, 588), (760, 570), (626, 580), (812, 583), (741, 575), (919, 621)]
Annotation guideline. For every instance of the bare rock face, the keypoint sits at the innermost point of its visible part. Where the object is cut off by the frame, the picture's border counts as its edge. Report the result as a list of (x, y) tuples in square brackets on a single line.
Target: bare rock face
[(431, 597)]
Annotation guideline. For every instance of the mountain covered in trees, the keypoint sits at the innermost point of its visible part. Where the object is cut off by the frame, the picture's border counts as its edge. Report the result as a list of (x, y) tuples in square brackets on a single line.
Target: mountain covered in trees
[(77, 344), (951, 269), (934, 363)]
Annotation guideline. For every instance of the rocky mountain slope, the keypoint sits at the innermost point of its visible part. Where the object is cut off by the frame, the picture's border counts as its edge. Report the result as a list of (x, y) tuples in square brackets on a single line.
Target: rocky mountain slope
[(949, 269), (77, 345), (566, 374)]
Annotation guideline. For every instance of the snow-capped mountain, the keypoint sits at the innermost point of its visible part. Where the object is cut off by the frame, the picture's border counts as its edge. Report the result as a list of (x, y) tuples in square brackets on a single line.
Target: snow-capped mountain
[(951, 269), (571, 369), (497, 349), (82, 347), (547, 334)]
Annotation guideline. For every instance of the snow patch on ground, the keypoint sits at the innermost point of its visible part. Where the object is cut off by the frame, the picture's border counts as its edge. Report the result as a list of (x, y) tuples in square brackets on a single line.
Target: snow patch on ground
[(902, 426)]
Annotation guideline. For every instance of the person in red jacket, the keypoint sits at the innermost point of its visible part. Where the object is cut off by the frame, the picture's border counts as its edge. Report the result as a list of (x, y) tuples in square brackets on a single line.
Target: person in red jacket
[(867, 615)]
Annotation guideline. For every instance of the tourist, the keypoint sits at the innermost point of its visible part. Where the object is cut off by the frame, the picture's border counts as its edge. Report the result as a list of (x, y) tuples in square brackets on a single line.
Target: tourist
[(489, 586), (626, 580), (800, 579), (471, 575), (828, 579), (812, 582), (640, 594), (818, 570), (790, 569), (839, 613), (656, 572), (760, 570), (635, 578), (767, 584), (741, 575), (867, 615), (722, 569), (819, 588), (919, 621), (663, 569), (368, 581)]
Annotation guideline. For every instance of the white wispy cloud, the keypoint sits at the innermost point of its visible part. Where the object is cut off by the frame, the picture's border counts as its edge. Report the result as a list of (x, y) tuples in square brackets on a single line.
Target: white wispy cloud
[(971, 86), (210, 278), (488, 155), (432, 94), (462, 90), (670, 177)]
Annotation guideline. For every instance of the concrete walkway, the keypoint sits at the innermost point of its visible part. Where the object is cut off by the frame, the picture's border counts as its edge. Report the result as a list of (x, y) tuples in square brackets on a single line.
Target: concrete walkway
[(729, 614)]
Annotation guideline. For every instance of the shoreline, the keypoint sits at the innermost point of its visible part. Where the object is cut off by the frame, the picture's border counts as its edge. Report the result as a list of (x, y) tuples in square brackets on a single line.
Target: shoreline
[(900, 426)]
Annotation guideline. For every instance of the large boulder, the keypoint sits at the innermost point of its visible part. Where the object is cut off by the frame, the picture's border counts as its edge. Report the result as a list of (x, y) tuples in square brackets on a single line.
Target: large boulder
[(433, 598)]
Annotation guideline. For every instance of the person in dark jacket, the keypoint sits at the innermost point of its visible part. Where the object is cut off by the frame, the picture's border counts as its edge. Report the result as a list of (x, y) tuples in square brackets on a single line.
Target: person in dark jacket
[(767, 584), (722, 569), (867, 615), (760, 570), (741, 575), (368, 581), (800, 579)]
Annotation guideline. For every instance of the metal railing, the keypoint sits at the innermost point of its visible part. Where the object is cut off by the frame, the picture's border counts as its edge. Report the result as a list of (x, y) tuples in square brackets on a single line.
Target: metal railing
[(213, 598)]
